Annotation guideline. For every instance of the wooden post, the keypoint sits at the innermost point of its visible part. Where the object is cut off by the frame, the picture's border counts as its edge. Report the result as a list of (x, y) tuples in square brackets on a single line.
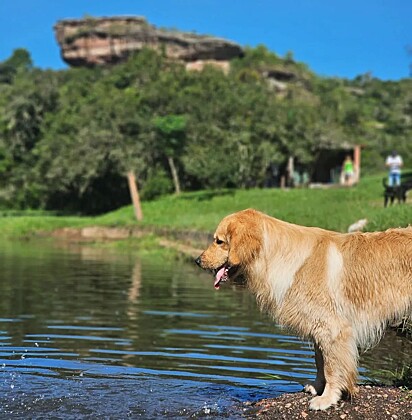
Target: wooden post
[(290, 170), (174, 174), (357, 162), (134, 193)]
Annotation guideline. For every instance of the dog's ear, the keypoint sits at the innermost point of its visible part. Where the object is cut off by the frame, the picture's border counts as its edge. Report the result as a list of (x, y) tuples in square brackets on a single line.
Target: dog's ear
[(245, 241)]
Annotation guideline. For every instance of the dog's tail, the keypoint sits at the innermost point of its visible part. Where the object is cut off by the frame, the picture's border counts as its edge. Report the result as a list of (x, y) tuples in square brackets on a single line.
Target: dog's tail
[(385, 182)]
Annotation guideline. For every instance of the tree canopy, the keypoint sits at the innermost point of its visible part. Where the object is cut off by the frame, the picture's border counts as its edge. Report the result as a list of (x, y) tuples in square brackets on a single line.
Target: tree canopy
[(68, 138)]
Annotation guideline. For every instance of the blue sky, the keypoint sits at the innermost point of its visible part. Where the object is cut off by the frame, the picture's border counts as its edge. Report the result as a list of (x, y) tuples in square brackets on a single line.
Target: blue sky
[(333, 37)]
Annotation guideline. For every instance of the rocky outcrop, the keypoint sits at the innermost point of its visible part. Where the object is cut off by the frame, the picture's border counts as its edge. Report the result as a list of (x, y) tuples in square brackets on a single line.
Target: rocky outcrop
[(108, 40)]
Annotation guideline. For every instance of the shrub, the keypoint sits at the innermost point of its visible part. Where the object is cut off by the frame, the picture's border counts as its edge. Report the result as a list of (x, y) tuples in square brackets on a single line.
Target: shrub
[(156, 185)]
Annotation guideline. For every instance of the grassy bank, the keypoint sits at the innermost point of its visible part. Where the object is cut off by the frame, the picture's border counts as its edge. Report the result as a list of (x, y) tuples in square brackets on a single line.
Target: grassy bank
[(23, 225), (332, 208)]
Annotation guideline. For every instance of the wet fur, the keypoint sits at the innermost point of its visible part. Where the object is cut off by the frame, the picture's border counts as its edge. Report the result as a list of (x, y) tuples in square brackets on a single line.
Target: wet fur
[(337, 290)]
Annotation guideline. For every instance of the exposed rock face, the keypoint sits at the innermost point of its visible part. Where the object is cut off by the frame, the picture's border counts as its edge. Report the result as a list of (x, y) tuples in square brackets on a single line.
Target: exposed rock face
[(96, 41)]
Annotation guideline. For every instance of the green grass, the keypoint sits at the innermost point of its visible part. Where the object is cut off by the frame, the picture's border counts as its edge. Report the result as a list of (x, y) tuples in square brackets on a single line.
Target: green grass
[(333, 208), (20, 226), (403, 378)]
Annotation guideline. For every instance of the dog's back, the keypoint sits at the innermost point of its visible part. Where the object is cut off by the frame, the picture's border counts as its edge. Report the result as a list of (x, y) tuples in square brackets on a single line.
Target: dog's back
[(378, 280)]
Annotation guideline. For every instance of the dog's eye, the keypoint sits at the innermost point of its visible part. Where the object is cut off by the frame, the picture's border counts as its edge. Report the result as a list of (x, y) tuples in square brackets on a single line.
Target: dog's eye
[(218, 241)]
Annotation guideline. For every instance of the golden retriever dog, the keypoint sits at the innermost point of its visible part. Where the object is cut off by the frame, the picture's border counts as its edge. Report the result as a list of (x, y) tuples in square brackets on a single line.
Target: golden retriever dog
[(338, 290)]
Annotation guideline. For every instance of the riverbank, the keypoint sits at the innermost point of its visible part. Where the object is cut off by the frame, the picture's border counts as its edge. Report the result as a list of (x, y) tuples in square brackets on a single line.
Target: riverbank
[(334, 208), (371, 403), (189, 244)]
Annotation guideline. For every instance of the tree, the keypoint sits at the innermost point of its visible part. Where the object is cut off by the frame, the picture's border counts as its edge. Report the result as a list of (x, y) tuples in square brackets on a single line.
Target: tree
[(20, 60), (171, 131)]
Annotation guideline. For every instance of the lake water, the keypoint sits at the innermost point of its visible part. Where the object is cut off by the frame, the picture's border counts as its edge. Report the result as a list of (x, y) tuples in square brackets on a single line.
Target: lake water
[(86, 333)]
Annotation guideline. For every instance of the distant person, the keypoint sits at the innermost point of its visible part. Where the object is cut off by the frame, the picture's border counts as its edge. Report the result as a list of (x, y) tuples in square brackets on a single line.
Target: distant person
[(348, 170), (394, 162)]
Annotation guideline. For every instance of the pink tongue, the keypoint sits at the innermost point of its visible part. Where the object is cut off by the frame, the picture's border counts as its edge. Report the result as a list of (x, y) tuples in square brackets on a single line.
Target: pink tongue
[(219, 276)]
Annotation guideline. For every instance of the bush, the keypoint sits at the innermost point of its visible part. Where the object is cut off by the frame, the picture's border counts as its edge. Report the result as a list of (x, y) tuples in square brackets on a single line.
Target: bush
[(156, 185)]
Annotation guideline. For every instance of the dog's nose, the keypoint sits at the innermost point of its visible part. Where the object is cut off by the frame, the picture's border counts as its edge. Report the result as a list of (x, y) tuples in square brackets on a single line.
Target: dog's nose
[(198, 261)]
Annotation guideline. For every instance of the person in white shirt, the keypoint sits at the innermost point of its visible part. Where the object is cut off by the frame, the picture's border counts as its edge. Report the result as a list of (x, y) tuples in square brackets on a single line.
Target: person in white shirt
[(394, 163)]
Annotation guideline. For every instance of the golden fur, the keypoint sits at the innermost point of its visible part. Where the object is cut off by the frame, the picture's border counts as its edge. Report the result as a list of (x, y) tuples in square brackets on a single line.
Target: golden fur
[(338, 290)]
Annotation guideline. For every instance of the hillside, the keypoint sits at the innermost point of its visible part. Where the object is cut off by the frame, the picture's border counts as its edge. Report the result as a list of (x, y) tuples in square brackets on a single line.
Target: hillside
[(68, 138)]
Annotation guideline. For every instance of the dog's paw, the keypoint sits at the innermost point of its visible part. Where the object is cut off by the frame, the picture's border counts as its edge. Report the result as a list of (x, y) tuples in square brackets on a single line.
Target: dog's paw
[(315, 388), (322, 402), (310, 389)]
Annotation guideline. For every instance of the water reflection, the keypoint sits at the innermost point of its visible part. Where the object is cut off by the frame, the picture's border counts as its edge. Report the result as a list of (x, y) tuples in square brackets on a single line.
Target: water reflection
[(91, 332)]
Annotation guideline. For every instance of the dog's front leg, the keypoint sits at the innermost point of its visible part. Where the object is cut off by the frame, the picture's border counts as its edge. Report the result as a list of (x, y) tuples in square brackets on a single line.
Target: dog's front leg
[(340, 366), (317, 387)]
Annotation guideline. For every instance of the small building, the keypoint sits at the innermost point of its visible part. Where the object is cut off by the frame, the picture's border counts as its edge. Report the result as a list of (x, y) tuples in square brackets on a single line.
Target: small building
[(326, 168)]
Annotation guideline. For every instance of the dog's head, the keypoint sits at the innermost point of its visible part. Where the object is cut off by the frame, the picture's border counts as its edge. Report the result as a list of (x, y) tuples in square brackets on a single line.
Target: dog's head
[(236, 244)]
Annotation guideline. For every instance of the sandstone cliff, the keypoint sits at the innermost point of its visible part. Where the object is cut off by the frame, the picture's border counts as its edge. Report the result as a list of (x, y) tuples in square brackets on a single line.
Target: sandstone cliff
[(107, 40)]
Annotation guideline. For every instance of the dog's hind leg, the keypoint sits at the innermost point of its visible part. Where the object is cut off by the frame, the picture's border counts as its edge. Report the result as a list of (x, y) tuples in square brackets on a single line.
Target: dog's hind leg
[(340, 357), (317, 387), (403, 196)]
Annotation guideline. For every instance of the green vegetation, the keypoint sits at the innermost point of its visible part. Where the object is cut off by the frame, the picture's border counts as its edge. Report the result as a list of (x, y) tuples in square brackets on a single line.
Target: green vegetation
[(332, 208), (67, 138), (22, 226), (403, 378)]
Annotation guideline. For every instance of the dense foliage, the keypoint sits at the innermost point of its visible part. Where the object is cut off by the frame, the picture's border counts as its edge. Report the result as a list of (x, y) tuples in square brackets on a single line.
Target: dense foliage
[(67, 138)]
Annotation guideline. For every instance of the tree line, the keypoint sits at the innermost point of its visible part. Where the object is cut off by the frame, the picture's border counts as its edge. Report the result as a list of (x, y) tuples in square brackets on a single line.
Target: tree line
[(68, 138)]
